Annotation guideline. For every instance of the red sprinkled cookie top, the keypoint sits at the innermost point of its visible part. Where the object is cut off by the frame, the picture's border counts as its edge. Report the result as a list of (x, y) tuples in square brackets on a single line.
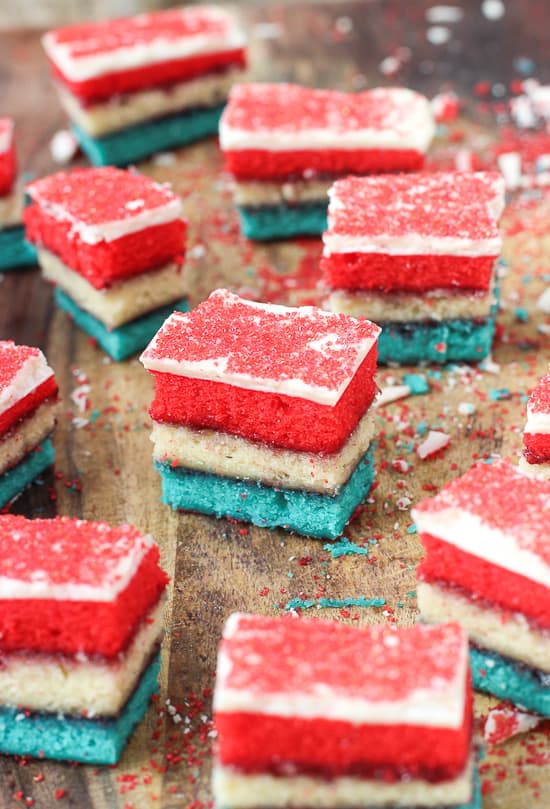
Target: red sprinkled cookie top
[(539, 400), (6, 135), (22, 369), (449, 205), (290, 108), (67, 559), (105, 203), (88, 49), (502, 498), (302, 352), (262, 657)]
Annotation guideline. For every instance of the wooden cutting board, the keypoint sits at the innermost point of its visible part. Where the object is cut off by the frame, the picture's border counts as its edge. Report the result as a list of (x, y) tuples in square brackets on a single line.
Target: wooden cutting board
[(103, 468)]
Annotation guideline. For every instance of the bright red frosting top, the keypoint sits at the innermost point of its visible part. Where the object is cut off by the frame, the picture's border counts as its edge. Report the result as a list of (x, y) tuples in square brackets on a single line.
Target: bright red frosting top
[(539, 400), (87, 39), (67, 559), (261, 655), (263, 346), (502, 498), (288, 108), (98, 196), (456, 205)]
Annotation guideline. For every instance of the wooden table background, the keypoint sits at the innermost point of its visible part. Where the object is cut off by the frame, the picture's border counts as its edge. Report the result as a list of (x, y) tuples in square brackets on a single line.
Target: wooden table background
[(103, 466)]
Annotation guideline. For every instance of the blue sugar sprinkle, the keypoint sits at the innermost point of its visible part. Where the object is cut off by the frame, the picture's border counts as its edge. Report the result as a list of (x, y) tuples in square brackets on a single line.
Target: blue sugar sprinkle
[(344, 548), (421, 428), (305, 604), (412, 529), (417, 383), (521, 314), (500, 394)]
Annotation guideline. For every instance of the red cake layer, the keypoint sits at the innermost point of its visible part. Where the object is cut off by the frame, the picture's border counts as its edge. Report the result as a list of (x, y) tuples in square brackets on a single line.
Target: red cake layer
[(46, 390), (446, 563), (257, 743), (398, 273), (160, 74), (100, 628), (536, 447), (105, 262), (261, 164), (272, 418), (8, 167)]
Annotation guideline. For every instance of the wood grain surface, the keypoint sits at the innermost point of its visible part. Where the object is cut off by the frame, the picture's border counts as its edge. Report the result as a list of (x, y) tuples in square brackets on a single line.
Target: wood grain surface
[(103, 465)]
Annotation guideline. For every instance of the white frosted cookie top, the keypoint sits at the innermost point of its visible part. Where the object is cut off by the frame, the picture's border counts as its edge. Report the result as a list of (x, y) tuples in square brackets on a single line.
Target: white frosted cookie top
[(294, 667), (88, 50), (67, 559), (303, 352), (288, 117), (445, 213), (104, 204), (495, 513), (22, 370)]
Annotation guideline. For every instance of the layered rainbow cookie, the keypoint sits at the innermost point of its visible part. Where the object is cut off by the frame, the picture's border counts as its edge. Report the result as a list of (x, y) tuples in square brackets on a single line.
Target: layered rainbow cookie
[(137, 85), (536, 433), (28, 399), (487, 566), (15, 251), (417, 254), (285, 144), (263, 413), (80, 630), (315, 713), (113, 243)]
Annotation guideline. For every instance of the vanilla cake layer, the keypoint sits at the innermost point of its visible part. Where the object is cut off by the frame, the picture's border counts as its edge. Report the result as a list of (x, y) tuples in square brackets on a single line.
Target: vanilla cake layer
[(257, 193), (25, 436), (238, 790), (437, 304), (220, 453), (79, 685), (507, 633), (538, 470), (123, 301), (11, 208), (122, 111)]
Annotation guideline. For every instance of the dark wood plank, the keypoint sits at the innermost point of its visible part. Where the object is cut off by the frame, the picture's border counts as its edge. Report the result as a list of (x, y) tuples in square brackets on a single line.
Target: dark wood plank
[(104, 470)]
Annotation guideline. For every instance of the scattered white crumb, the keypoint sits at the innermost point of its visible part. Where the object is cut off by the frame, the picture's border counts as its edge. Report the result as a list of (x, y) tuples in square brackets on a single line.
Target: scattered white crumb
[(392, 393), (509, 164), (493, 9), (164, 159), (63, 146), (543, 302), (466, 408), (444, 14), (434, 441), (438, 35)]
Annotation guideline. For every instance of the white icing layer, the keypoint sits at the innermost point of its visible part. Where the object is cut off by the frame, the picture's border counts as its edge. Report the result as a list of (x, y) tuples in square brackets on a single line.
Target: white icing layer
[(411, 245), (420, 132), (120, 578), (424, 707), (34, 372), (537, 423), (82, 68), (469, 533)]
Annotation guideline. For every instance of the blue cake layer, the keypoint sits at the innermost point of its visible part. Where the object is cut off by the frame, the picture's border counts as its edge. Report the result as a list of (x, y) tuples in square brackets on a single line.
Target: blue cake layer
[(142, 140), (307, 513), (16, 480), (510, 680), (266, 222), (459, 340), (127, 339), (92, 741), (15, 250)]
